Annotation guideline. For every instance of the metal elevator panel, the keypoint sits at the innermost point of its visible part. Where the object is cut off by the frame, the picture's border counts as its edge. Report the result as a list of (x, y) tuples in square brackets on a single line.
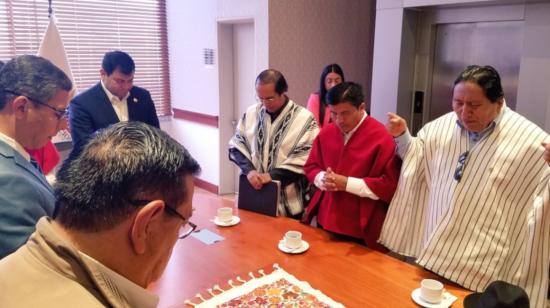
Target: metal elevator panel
[(458, 45)]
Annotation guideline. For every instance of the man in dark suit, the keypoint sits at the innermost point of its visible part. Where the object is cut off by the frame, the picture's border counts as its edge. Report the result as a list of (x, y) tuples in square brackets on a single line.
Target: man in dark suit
[(34, 95), (113, 99)]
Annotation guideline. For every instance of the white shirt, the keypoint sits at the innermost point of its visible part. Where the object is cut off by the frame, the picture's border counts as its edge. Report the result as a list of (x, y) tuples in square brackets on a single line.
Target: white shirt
[(16, 146), (120, 106), (135, 295), (354, 186)]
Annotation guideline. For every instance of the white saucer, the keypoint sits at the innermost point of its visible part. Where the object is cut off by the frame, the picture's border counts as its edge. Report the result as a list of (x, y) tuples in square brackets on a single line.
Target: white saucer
[(448, 300), (302, 248), (235, 220)]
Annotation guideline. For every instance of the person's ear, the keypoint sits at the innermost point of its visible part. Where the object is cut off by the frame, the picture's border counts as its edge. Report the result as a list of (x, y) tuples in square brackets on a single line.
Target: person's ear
[(102, 73), (362, 106), (20, 106), (500, 103), (144, 223)]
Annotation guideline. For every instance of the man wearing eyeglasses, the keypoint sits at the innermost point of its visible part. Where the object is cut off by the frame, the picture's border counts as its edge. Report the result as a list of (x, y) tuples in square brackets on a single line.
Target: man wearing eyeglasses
[(113, 99), (114, 227), (472, 203), (34, 95), (273, 140)]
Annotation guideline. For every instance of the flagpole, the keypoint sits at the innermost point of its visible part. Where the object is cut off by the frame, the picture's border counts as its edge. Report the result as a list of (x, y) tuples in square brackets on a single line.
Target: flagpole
[(50, 10)]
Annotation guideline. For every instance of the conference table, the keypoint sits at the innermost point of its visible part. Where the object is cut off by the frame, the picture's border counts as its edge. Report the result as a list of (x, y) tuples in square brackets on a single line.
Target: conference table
[(346, 271)]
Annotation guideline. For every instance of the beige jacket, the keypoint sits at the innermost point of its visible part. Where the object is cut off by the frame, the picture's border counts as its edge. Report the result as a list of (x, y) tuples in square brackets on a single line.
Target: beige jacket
[(49, 272)]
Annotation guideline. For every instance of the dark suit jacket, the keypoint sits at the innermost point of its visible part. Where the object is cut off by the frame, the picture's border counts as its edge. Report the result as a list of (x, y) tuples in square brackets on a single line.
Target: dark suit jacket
[(25, 196), (91, 110)]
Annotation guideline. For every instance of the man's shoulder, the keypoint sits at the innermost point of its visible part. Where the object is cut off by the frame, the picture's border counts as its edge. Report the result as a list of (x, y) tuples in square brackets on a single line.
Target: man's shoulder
[(330, 130), (444, 123), (516, 126), (302, 111), (139, 91), (7, 162), (5, 149), (87, 94), (22, 268), (254, 108), (514, 120), (374, 123), (10, 170), (15, 180)]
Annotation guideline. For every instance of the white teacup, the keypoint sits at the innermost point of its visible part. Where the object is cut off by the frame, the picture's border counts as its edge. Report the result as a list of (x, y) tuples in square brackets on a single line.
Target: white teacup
[(293, 239), (225, 214), (431, 291)]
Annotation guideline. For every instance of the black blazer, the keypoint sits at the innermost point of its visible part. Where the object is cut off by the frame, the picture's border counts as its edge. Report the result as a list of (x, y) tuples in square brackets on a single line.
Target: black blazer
[(91, 110)]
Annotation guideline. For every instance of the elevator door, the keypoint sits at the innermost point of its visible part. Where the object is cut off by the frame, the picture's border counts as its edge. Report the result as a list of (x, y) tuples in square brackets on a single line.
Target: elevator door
[(458, 45)]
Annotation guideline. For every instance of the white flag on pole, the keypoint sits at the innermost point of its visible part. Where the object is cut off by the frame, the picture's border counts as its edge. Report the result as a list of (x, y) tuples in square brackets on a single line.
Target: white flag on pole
[(52, 48)]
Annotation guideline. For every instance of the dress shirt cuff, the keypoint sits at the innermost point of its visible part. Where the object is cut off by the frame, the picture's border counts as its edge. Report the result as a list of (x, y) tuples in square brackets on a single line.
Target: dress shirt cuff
[(402, 142), (358, 187), (319, 180)]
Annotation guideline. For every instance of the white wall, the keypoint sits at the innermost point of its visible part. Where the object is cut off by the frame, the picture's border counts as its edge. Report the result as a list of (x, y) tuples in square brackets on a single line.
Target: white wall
[(190, 30), (307, 35), (385, 66), (198, 140), (192, 26)]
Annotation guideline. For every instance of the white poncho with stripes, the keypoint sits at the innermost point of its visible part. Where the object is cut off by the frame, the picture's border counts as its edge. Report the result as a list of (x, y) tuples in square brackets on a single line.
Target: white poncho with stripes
[(492, 225), (284, 144)]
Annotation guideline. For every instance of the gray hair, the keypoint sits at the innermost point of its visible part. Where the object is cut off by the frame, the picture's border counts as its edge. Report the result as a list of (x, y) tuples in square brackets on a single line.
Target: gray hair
[(121, 166), (31, 76)]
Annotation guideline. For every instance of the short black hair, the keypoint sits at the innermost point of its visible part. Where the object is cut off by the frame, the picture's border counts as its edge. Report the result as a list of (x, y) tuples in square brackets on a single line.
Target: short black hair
[(32, 76), (349, 92), (273, 76), (486, 77), (117, 59), (124, 163)]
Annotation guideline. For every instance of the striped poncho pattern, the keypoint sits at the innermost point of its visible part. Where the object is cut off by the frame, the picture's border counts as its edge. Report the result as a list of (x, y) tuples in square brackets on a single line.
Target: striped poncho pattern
[(493, 224), (284, 143)]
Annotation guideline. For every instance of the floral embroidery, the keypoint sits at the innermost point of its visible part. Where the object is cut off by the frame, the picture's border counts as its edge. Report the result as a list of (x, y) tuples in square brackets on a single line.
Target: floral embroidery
[(280, 293)]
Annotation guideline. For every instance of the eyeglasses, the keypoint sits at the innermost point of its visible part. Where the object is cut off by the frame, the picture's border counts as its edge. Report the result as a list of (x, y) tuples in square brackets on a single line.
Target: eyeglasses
[(59, 113), (270, 99), (185, 229), (459, 171)]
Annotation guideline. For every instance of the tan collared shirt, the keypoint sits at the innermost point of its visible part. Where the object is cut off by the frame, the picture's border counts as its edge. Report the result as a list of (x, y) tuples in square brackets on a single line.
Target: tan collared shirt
[(120, 106), (134, 294)]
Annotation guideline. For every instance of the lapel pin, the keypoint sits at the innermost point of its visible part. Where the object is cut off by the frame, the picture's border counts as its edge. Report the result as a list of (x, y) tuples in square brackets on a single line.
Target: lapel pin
[(135, 100)]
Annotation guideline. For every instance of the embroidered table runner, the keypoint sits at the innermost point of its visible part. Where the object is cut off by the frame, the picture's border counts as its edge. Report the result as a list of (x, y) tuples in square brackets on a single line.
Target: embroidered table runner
[(278, 289)]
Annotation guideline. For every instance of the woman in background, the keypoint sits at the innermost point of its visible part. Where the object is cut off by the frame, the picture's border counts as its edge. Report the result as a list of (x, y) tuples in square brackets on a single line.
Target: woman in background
[(332, 75)]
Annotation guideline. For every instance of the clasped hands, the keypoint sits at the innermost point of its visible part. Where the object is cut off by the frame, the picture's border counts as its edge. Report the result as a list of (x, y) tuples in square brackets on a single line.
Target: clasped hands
[(333, 181), (257, 180)]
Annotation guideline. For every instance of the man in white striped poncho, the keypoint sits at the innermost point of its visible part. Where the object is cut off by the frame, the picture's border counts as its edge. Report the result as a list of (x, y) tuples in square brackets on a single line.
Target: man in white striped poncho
[(273, 140), (472, 203)]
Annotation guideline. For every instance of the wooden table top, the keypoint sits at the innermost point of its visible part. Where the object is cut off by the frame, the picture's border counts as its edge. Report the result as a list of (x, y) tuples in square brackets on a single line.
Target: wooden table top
[(347, 272)]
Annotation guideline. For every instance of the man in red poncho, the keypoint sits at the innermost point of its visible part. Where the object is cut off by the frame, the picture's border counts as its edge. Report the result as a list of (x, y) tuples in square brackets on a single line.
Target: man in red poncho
[(354, 167)]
